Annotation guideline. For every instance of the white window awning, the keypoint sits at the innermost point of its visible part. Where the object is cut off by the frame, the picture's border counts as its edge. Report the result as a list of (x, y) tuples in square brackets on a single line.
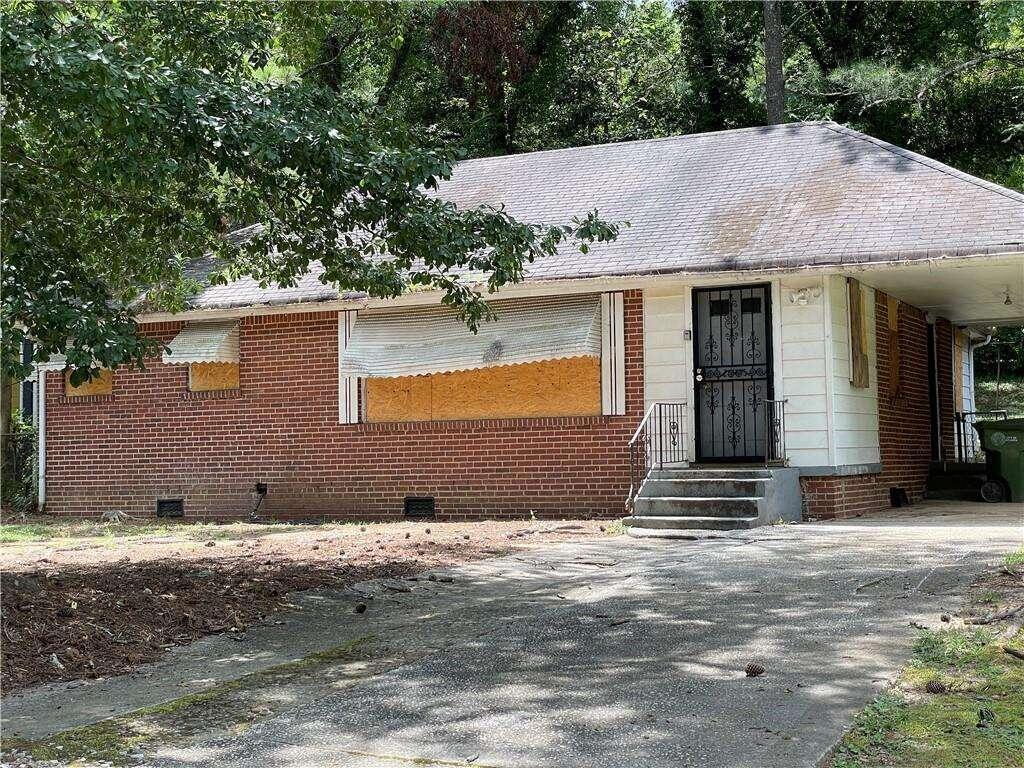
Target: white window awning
[(55, 363), (204, 343), (412, 342)]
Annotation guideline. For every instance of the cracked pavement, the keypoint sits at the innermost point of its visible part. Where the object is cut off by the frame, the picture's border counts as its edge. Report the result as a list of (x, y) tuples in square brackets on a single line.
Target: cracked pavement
[(623, 652)]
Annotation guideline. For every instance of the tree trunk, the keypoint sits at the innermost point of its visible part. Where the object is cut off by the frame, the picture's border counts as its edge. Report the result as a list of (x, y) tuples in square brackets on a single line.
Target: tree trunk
[(395, 70), (775, 83), (5, 419)]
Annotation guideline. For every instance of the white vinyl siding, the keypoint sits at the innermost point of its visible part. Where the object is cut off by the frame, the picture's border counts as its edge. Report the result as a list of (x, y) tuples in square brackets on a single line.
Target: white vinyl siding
[(855, 409), (828, 422), (667, 355), (803, 372), (963, 365), (967, 371)]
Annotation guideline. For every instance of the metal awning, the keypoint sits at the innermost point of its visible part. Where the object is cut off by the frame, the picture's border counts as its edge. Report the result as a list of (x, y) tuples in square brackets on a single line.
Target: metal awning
[(411, 342), (204, 343)]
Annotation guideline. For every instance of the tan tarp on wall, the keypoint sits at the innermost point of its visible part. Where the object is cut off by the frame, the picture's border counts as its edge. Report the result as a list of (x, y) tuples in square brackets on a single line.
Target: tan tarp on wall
[(206, 342), (426, 340), (565, 387)]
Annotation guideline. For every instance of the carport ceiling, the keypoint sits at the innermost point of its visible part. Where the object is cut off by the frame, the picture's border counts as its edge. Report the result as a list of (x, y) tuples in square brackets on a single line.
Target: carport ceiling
[(967, 292)]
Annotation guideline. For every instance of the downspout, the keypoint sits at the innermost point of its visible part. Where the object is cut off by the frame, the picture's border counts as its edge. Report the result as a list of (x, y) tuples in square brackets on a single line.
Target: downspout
[(41, 441), (970, 350)]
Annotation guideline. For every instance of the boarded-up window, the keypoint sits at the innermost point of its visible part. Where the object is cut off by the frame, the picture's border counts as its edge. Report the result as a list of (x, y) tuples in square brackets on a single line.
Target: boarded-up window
[(208, 377), (859, 369), (895, 376), (565, 387), (102, 384)]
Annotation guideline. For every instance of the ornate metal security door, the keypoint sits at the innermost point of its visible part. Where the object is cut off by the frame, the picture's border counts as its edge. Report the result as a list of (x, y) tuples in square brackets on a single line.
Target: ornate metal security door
[(732, 353)]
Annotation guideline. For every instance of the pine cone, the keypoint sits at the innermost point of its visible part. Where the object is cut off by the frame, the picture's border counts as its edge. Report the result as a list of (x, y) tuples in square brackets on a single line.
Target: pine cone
[(754, 669)]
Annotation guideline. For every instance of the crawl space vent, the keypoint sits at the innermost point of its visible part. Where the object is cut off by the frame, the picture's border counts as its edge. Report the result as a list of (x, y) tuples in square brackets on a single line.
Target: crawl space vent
[(419, 506), (170, 507)]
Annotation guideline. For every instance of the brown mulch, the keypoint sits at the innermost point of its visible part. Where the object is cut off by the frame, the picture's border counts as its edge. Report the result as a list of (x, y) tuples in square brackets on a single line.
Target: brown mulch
[(89, 611)]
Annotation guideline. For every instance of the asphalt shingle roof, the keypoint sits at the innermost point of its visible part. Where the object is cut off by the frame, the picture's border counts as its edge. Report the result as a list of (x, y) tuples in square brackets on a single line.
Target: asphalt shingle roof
[(789, 196)]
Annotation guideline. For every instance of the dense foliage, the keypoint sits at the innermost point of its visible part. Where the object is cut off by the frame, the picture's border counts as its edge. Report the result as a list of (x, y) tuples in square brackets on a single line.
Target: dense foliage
[(1002, 357), (136, 135), (943, 78)]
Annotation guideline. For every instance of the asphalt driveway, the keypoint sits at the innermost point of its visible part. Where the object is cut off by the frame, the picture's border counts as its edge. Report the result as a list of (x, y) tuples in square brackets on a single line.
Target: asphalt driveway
[(625, 653)]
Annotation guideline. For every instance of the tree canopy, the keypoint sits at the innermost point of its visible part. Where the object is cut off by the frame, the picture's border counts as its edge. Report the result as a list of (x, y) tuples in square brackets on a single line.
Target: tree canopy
[(136, 135), (942, 78)]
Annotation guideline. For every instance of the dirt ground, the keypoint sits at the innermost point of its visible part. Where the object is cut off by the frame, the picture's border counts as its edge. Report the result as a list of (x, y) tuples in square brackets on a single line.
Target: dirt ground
[(86, 600)]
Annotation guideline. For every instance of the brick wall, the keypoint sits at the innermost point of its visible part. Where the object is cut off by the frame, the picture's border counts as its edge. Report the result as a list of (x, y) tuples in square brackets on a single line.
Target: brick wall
[(152, 438), (903, 420)]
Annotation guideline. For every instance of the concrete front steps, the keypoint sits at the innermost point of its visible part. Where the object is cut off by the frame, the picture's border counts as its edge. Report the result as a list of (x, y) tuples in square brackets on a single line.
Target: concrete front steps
[(674, 502), (954, 481)]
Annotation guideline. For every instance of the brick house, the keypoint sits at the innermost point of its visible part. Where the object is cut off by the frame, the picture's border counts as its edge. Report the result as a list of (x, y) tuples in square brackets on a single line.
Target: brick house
[(801, 297)]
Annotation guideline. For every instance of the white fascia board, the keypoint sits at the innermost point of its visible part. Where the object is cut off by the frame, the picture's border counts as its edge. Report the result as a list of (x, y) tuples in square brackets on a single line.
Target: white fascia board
[(531, 288)]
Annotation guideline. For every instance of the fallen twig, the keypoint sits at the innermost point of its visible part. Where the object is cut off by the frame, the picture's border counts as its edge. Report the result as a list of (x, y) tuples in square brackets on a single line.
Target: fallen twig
[(872, 583), (992, 618), (1017, 654)]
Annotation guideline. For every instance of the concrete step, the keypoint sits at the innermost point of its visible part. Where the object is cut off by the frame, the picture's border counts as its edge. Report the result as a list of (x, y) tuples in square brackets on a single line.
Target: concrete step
[(696, 506), (953, 494), (664, 522), (699, 486), (704, 473), (955, 482), (689, 534), (956, 468)]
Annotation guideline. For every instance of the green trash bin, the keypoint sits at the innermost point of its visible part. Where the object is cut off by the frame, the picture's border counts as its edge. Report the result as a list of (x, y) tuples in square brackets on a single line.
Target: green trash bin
[(1003, 443)]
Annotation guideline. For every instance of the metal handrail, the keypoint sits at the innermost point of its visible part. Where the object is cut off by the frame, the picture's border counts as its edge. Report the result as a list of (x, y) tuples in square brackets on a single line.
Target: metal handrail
[(968, 448), (656, 442), (775, 432)]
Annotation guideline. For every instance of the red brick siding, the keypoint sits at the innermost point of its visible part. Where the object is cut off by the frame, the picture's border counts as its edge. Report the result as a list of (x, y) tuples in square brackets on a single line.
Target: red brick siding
[(152, 438), (903, 421)]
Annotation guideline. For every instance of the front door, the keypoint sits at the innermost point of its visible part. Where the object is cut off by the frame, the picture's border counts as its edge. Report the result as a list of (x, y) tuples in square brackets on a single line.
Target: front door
[(732, 353)]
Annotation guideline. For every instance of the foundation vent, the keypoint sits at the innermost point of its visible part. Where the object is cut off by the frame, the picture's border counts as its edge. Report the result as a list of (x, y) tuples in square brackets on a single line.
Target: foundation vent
[(170, 507), (419, 506)]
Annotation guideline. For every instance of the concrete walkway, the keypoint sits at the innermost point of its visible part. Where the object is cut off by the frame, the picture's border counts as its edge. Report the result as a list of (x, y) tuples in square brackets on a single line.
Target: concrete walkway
[(606, 653)]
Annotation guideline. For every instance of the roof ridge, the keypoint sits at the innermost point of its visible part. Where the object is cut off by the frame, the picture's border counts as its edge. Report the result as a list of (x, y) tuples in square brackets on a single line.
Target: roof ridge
[(674, 137), (924, 160)]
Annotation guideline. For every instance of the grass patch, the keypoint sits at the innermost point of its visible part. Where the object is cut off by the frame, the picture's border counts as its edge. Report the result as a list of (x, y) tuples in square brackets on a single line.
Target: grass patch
[(11, 532), (103, 741), (977, 723), (106, 532), (113, 740), (1008, 396), (614, 528), (101, 533), (1014, 558)]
